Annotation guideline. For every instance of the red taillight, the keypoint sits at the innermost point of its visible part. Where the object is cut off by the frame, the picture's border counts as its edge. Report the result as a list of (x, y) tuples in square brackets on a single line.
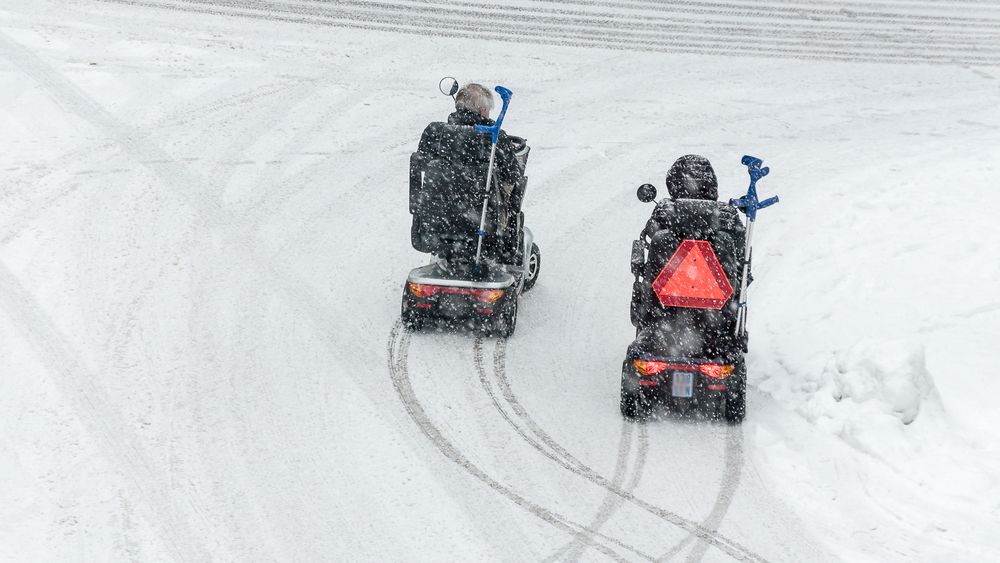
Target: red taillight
[(649, 367), (653, 367), (424, 291), (487, 295), (715, 371)]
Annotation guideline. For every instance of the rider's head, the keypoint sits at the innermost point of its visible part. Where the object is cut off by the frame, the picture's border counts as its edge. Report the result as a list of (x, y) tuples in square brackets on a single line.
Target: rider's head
[(475, 98), (692, 177)]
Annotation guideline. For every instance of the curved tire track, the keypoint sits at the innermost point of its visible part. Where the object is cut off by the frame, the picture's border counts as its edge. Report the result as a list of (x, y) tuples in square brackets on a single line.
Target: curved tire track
[(551, 449), (76, 382), (398, 350), (731, 472), (627, 478), (732, 468), (71, 375), (611, 502)]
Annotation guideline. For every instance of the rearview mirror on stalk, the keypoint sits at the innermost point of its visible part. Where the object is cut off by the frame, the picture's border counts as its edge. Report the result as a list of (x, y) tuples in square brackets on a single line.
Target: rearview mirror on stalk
[(646, 193), (448, 86)]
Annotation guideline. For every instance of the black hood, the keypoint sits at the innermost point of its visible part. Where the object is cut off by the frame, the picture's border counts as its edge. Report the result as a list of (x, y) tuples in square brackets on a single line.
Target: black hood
[(692, 177)]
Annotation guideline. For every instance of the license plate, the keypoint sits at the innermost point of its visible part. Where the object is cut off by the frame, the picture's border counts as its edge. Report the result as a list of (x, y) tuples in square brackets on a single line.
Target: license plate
[(682, 384), (452, 305)]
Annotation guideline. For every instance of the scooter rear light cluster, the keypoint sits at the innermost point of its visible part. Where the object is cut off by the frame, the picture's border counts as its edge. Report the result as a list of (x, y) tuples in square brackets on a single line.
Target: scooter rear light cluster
[(654, 367), (649, 367), (487, 295), (424, 291), (715, 371)]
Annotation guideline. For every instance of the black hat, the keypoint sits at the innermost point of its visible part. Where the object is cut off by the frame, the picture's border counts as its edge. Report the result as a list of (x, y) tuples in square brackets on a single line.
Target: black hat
[(692, 177)]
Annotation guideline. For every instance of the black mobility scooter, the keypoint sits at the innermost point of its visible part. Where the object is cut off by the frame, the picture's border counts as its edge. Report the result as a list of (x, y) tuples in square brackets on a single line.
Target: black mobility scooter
[(483, 255), (691, 265)]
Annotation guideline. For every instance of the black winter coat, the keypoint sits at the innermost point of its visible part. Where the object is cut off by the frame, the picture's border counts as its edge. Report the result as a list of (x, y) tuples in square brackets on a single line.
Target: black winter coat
[(508, 170)]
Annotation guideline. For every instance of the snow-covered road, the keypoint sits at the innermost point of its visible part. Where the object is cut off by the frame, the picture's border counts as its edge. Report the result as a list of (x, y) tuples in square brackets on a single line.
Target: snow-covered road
[(203, 237)]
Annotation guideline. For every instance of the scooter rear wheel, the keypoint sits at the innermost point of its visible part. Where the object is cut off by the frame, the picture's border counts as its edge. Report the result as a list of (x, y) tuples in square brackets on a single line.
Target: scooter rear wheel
[(634, 404), (506, 321), (534, 267), (412, 320), (736, 396)]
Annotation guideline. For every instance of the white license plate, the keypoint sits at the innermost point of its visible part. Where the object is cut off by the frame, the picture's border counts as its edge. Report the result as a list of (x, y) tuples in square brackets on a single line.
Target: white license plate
[(682, 384)]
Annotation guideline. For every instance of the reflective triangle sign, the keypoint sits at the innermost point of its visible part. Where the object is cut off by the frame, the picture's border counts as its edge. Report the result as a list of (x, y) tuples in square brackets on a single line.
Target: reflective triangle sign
[(693, 277)]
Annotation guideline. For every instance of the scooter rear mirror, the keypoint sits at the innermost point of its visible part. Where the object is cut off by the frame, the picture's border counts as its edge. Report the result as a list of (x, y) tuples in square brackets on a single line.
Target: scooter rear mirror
[(646, 193), (448, 86)]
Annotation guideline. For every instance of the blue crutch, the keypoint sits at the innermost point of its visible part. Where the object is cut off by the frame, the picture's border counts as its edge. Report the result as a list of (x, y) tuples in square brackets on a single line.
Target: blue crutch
[(494, 132), (749, 204)]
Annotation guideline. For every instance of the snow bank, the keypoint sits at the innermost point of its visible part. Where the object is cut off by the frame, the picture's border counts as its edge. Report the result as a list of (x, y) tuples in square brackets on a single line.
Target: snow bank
[(882, 377), (867, 394)]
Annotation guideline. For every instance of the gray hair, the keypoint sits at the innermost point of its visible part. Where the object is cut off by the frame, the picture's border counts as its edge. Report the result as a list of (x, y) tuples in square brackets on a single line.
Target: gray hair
[(475, 98)]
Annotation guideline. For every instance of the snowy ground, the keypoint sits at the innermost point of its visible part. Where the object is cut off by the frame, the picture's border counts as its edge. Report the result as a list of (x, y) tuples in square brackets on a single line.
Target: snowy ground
[(203, 235)]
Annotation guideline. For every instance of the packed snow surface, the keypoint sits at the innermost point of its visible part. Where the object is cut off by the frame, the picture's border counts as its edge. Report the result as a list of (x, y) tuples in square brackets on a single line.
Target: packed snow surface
[(204, 235)]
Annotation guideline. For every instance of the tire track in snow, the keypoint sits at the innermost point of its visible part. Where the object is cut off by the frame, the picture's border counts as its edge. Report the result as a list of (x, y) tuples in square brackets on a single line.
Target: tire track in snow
[(173, 174), (198, 114), (731, 472), (170, 509), (732, 469), (71, 374), (802, 12), (669, 37), (622, 476), (398, 351), (21, 219), (285, 188), (730, 479), (574, 548), (683, 19), (123, 318), (33, 211), (720, 41), (554, 451)]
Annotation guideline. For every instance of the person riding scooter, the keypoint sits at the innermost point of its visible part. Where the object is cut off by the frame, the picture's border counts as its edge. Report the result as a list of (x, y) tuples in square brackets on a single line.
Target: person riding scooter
[(688, 262), (466, 185), (448, 206), (692, 265), (692, 211)]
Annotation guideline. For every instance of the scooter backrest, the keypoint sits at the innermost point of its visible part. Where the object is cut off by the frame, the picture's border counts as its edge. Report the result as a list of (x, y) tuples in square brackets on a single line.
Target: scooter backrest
[(696, 220), (455, 142), (450, 164)]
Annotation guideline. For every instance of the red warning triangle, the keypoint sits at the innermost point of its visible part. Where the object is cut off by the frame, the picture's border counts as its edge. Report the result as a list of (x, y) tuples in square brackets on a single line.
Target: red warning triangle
[(693, 277)]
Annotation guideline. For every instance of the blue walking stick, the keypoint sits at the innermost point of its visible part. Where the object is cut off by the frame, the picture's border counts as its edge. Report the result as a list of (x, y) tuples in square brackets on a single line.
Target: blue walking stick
[(494, 132), (749, 205)]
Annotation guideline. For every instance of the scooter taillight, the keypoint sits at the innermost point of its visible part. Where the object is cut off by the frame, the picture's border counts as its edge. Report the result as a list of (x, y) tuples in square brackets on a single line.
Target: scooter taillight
[(424, 291), (715, 371), (649, 367), (487, 296), (654, 367)]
